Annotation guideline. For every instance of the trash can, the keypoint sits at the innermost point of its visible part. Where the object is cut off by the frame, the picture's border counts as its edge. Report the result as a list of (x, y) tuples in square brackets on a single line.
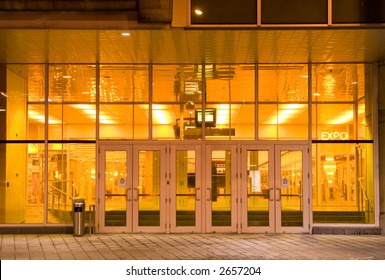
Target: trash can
[(79, 207)]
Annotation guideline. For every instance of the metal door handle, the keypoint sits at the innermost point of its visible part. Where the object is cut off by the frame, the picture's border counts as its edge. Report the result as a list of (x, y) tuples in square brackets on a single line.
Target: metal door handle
[(279, 194), (128, 192), (271, 198), (211, 193)]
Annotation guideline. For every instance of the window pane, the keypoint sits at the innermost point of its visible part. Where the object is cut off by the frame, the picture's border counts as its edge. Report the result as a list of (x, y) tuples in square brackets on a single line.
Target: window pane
[(23, 194), (343, 186), (283, 121), (294, 11), (372, 11), (124, 83), (338, 82), (224, 12), (177, 93), (71, 173), (283, 82), (333, 121), (22, 101), (72, 95)]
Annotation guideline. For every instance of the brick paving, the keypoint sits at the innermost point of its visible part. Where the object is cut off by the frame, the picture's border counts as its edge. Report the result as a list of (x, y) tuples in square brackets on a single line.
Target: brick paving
[(191, 247)]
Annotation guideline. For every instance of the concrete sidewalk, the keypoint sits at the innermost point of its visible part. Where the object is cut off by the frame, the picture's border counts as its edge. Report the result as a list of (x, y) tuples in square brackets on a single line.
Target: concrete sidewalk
[(191, 247)]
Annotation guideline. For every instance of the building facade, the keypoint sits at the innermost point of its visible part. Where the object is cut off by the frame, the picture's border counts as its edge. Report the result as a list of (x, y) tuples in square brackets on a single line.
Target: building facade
[(193, 116)]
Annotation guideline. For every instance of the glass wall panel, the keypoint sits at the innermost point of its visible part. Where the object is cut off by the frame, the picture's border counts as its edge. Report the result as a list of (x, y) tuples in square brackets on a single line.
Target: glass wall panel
[(23, 101), (283, 83), (359, 11), (338, 82), (343, 183), (21, 171), (177, 93), (294, 12), (282, 102), (72, 96), (223, 12), (333, 122), (231, 92), (124, 97), (71, 173), (341, 109)]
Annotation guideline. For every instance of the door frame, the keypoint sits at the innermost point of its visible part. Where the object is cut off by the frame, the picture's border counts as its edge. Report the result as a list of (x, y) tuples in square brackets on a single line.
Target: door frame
[(207, 188), (274, 187), (132, 181)]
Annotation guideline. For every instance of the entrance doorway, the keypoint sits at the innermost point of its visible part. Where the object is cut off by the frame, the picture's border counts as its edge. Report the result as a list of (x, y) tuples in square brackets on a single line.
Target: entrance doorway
[(219, 188), (275, 189)]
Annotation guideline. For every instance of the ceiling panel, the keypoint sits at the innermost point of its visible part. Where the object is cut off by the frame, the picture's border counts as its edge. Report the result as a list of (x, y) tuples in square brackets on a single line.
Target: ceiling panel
[(193, 46)]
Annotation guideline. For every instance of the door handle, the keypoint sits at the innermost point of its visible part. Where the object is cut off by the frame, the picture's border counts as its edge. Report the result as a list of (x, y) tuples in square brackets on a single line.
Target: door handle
[(135, 195), (197, 194), (278, 190), (211, 194), (271, 197), (128, 192)]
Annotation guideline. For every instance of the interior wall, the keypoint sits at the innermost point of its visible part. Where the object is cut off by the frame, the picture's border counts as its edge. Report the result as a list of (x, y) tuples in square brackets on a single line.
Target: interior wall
[(16, 169)]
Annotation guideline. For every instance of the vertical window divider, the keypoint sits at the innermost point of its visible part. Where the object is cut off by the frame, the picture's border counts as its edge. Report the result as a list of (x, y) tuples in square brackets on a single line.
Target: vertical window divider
[(204, 101), (330, 12), (256, 117), (150, 91), (309, 101), (45, 184)]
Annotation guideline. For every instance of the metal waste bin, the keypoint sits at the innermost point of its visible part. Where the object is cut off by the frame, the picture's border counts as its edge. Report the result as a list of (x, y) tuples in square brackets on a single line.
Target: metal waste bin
[(79, 207)]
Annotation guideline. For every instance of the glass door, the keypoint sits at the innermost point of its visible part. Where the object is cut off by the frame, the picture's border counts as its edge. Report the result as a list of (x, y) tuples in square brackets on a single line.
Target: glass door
[(221, 189), (131, 189), (185, 189), (273, 196), (291, 190)]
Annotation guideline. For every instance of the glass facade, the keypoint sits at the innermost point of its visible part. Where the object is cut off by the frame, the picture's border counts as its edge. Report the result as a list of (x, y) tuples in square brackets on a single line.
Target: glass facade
[(54, 116)]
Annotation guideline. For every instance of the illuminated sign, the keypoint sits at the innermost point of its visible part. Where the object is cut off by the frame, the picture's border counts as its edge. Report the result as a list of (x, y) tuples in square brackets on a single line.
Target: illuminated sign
[(334, 135)]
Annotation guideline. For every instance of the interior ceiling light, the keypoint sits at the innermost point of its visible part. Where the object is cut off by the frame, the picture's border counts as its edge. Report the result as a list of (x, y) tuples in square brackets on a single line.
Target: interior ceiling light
[(198, 12), (126, 34)]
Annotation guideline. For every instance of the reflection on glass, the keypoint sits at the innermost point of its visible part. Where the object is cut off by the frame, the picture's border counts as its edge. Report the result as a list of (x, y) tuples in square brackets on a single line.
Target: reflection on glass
[(177, 92), (185, 188), (149, 188), (221, 188), (343, 188), (115, 188), (291, 188), (258, 188), (71, 173)]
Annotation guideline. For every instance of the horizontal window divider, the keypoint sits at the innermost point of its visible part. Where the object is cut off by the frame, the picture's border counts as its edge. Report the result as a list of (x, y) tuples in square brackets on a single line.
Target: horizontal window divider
[(49, 141), (72, 141), (22, 142), (342, 141)]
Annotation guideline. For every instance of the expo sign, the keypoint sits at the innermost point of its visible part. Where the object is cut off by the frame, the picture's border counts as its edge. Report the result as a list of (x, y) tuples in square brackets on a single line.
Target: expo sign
[(335, 135)]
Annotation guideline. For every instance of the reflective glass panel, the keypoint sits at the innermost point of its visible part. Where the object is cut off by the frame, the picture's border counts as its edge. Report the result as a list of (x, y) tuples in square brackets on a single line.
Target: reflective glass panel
[(177, 93), (258, 188), (72, 96), (185, 188), (343, 184), (221, 188), (115, 202), (71, 173), (21, 171), (149, 188), (291, 188)]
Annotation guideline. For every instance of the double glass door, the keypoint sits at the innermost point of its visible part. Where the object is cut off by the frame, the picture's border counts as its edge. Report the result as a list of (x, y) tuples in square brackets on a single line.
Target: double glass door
[(220, 188), (131, 189), (149, 188), (275, 189)]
